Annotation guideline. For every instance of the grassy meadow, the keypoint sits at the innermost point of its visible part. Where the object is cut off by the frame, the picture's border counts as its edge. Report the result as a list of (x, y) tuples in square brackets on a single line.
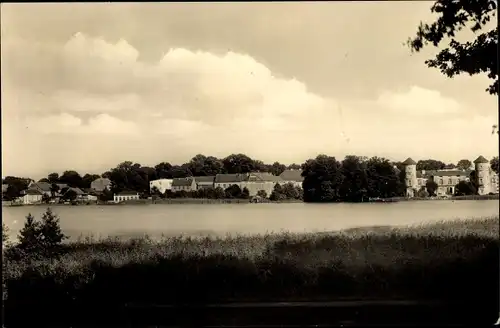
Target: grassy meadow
[(456, 260)]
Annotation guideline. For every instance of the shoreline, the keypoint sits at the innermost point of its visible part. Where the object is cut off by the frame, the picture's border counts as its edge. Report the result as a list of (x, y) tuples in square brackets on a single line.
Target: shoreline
[(207, 201)]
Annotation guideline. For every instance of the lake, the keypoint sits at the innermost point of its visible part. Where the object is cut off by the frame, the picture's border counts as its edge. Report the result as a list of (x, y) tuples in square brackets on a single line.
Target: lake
[(220, 219)]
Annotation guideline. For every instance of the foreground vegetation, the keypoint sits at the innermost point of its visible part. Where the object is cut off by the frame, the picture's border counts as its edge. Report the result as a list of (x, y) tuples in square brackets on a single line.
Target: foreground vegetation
[(451, 261)]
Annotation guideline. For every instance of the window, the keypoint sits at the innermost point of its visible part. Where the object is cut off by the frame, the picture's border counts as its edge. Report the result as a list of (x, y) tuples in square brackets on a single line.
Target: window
[(450, 181), (480, 180), (441, 181)]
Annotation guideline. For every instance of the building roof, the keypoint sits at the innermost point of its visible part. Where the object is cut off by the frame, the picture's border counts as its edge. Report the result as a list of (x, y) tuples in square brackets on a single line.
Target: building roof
[(409, 161), (61, 185), (102, 180), (263, 176), (182, 182), (127, 193), (78, 191), (292, 175), (481, 160), (229, 178), (207, 179), (32, 192), (444, 173), (44, 186)]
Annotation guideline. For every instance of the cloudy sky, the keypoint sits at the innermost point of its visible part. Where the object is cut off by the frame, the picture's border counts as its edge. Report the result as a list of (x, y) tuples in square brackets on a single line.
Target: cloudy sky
[(86, 86)]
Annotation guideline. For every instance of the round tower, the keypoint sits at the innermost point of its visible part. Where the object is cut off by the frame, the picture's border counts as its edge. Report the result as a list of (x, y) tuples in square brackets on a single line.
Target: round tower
[(483, 178), (411, 182)]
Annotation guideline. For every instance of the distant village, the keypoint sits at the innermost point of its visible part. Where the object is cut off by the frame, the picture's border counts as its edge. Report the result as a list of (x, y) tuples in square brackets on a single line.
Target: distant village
[(255, 182)]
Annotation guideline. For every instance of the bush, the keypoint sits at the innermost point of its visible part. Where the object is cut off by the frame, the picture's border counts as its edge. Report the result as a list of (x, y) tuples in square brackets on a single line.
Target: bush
[(5, 236)]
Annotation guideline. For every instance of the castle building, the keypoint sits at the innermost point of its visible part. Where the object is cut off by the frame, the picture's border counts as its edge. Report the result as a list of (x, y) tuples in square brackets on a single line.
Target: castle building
[(485, 178)]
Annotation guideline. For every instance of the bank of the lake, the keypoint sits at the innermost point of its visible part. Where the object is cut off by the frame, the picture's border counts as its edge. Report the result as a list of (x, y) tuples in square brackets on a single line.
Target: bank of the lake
[(454, 261)]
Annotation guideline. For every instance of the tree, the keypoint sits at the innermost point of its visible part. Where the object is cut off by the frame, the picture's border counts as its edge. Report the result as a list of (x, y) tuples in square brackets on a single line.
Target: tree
[(88, 178), (277, 193), (5, 235), (45, 198), (30, 235), (450, 166), (233, 191), (277, 168), (477, 57), (15, 186), (51, 231), (53, 190), (422, 192), (262, 193), (464, 188), (53, 177), (71, 178), (322, 179), (290, 192), (431, 187), (294, 167), (430, 165), (355, 180), (464, 164), (245, 193), (219, 193), (494, 164), (238, 163), (106, 195), (383, 179)]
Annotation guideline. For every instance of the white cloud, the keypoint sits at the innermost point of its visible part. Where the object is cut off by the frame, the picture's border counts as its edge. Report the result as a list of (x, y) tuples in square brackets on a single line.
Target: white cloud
[(192, 102), (419, 101)]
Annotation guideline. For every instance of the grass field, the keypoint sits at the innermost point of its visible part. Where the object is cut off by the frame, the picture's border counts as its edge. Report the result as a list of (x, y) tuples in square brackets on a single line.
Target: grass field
[(454, 260)]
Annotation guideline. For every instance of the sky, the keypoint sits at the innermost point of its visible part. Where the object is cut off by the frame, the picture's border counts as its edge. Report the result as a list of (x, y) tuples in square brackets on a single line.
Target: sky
[(86, 86)]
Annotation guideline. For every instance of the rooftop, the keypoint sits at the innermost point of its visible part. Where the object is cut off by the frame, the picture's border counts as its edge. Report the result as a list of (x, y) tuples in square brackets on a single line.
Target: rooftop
[(409, 161), (182, 182), (481, 160)]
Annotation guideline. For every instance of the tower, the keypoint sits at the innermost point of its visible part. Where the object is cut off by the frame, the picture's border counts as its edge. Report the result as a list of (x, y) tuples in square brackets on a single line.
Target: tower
[(411, 182), (483, 178)]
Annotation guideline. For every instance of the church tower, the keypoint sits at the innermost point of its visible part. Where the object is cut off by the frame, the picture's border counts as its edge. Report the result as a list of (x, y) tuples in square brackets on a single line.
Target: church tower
[(411, 182), (483, 178)]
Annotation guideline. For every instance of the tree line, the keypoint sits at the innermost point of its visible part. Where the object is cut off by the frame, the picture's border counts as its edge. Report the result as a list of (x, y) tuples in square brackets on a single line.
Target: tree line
[(325, 178)]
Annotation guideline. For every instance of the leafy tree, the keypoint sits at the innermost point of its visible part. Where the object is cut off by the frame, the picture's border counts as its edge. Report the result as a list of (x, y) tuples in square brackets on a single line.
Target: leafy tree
[(277, 168), (494, 164), (163, 170), (322, 179), (219, 193), (5, 235), (238, 163), (354, 184), (233, 191), (245, 193), (71, 178), (88, 178), (430, 164), (54, 189), (289, 191), (15, 186), (422, 192), (294, 167), (262, 193), (45, 198), (383, 179), (277, 194), (450, 166), (476, 57), (464, 188), (464, 164), (431, 187), (106, 195), (155, 191), (53, 177)]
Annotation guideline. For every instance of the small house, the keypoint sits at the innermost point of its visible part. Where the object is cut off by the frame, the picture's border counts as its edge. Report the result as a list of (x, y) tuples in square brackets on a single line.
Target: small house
[(125, 195), (204, 182), (183, 184), (32, 196)]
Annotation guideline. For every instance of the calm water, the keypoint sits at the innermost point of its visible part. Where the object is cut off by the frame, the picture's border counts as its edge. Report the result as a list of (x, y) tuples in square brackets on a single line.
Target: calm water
[(134, 220)]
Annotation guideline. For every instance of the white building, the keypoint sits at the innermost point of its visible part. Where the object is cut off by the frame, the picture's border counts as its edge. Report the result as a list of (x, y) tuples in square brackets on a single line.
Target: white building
[(161, 184), (125, 195), (32, 197)]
